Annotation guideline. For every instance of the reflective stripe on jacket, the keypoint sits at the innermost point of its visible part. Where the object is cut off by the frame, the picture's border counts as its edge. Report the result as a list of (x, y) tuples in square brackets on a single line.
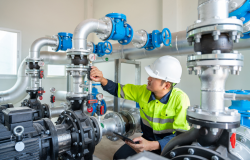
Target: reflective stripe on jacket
[(162, 118)]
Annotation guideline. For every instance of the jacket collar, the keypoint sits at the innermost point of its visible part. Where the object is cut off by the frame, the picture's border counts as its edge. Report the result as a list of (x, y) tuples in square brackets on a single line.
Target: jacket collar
[(163, 100)]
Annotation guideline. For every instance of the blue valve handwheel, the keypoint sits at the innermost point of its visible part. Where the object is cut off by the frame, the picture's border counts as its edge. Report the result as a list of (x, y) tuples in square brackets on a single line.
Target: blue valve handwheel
[(107, 47), (166, 35)]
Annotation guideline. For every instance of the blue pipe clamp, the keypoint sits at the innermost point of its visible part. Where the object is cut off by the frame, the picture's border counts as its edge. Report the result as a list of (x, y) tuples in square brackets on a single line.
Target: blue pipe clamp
[(102, 48), (65, 41), (121, 31), (156, 38)]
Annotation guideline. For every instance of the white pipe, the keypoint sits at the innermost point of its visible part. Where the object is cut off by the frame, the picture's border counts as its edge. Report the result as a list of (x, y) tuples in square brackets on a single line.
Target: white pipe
[(18, 91), (60, 95), (39, 43), (55, 58)]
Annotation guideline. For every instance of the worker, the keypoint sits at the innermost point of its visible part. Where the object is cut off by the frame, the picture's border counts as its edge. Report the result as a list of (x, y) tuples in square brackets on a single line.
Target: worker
[(162, 106)]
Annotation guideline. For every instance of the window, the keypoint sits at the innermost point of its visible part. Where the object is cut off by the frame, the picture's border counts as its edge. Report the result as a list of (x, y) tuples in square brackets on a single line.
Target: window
[(55, 70), (9, 51)]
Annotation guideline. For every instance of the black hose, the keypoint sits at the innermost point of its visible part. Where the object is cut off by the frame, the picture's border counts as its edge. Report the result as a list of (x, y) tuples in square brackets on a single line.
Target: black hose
[(183, 139)]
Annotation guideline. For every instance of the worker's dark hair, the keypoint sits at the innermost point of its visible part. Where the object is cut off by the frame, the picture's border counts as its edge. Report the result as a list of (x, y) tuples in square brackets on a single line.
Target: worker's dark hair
[(172, 84)]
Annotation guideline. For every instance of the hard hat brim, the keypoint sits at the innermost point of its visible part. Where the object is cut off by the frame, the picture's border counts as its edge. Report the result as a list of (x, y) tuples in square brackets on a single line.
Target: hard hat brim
[(152, 74)]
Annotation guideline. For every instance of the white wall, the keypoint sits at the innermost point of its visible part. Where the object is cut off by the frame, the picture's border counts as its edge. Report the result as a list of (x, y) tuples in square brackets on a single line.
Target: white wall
[(36, 19)]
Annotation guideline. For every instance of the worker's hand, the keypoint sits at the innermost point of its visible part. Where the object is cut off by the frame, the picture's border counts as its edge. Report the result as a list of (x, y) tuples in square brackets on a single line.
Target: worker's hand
[(97, 76), (144, 145)]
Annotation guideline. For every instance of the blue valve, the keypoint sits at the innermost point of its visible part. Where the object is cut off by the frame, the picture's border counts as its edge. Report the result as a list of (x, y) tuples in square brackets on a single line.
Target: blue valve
[(243, 12), (102, 48), (103, 103), (121, 31), (65, 41), (156, 38)]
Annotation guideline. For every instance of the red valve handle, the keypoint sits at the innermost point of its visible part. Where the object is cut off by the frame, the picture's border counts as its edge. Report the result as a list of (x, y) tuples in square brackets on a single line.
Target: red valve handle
[(41, 74), (41, 97), (92, 101), (90, 110), (41, 92), (233, 140), (102, 110), (54, 99)]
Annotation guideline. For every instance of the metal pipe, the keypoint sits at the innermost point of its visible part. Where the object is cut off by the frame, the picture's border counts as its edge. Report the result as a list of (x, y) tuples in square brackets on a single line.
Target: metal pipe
[(84, 29), (60, 95), (64, 138), (55, 58), (18, 91), (39, 43), (56, 111), (180, 47)]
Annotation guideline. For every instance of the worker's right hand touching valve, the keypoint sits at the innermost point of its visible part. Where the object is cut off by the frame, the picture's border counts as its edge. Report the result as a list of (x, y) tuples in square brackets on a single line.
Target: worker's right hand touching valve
[(97, 76)]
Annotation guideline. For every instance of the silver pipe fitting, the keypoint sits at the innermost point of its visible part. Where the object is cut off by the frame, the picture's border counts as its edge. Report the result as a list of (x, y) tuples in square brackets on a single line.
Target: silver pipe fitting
[(213, 9), (39, 43), (18, 91), (55, 58), (84, 29), (60, 95)]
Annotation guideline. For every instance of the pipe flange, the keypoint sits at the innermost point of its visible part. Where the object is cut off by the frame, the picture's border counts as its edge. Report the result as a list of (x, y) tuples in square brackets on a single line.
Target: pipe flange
[(75, 70), (71, 53), (98, 129), (229, 115), (143, 38), (32, 71), (33, 60), (133, 116), (120, 125), (136, 115), (108, 31), (223, 56), (216, 22), (223, 63), (234, 30), (197, 123)]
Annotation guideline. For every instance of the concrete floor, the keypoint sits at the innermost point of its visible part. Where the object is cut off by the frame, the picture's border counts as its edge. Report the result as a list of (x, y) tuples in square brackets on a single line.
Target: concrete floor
[(106, 148)]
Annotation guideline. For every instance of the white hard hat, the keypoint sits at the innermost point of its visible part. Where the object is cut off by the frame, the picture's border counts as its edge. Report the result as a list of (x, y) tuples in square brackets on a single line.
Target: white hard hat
[(166, 68)]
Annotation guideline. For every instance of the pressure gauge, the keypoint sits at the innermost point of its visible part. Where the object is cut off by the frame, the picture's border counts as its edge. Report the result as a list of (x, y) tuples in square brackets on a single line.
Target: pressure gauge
[(91, 57), (52, 89), (99, 96), (41, 63)]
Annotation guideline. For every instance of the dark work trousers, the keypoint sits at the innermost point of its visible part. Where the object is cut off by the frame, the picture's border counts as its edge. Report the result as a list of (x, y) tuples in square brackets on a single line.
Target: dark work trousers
[(125, 151)]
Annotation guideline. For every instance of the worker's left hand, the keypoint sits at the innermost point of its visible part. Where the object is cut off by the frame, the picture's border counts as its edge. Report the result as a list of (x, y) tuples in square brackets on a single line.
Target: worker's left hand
[(144, 145)]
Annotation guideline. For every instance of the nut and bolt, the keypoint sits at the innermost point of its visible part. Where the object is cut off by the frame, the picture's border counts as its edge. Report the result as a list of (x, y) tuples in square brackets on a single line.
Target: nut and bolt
[(196, 126), (47, 132), (73, 155), (73, 129), (215, 158), (75, 143), (67, 118), (79, 154), (172, 154), (214, 130), (190, 151), (80, 143)]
